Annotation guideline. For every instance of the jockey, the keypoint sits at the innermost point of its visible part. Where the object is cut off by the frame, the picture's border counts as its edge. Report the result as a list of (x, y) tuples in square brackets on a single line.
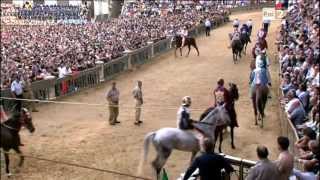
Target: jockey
[(245, 30), (184, 121), (234, 36), (257, 49), (221, 94), (184, 34), (249, 24), (236, 23), (260, 76), (262, 34), (263, 58)]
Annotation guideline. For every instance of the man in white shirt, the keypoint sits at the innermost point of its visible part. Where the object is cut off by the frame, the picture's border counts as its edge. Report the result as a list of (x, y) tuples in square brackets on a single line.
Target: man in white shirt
[(137, 95), (207, 24), (17, 92)]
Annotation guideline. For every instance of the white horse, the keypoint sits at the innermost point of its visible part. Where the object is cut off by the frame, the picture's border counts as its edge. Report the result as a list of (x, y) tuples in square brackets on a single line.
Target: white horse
[(167, 139)]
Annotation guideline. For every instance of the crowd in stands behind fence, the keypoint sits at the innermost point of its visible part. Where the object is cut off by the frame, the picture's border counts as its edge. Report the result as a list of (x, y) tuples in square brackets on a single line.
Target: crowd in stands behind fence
[(42, 52), (298, 45)]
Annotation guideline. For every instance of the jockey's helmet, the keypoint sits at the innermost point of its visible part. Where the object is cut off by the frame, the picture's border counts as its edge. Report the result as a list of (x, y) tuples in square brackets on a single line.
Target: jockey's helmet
[(220, 82), (186, 100)]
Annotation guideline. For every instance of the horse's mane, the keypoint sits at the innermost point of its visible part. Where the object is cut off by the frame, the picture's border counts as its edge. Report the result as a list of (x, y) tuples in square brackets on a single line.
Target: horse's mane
[(234, 91), (210, 112)]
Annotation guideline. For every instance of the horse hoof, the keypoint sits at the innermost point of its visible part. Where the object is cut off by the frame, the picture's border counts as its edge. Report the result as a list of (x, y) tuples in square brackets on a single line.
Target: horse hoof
[(9, 175), (233, 147), (256, 124)]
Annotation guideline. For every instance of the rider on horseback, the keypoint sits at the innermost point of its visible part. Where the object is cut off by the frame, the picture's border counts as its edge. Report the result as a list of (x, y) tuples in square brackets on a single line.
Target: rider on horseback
[(245, 30), (184, 34), (236, 23), (249, 24), (184, 121), (260, 75), (235, 36), (221, 94)]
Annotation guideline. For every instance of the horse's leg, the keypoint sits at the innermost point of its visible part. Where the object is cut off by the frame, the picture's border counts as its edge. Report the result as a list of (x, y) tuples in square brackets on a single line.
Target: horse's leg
[(196, 47), (175, 52), (232, 136), (188, 50), (162, 156), (7, 162), (220, 140), (17, 149), (245, 49), (253, 99), (216, 134), (181, 50)]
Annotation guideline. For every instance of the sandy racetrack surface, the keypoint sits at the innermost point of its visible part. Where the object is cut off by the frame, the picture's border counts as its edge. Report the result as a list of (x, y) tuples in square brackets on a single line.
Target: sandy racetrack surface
[(81, 134)]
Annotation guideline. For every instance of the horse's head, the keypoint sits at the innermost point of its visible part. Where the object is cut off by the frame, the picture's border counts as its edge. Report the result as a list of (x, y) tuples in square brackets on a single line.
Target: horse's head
[(26, 119), (234, 91), (217, 117)]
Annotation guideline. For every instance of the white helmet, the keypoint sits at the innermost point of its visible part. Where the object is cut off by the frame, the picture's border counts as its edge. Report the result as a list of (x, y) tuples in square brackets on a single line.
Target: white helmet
[(186, 100)]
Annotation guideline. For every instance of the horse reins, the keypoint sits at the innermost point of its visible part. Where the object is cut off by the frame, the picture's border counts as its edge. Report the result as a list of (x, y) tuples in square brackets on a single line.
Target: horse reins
[(9, 127)]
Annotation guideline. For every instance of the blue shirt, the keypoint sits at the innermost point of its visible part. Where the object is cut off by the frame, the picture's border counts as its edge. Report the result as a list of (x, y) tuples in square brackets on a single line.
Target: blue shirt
[(17, 87)]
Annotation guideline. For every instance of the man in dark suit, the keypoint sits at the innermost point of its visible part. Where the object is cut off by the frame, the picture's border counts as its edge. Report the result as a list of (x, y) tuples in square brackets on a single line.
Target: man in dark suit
[(209, 164)]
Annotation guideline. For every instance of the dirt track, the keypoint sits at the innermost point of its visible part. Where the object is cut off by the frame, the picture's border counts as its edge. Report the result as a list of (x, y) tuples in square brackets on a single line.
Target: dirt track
[(81, 134)]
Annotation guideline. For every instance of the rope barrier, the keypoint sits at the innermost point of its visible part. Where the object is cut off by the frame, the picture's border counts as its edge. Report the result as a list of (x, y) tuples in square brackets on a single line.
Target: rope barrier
[(81, 166), (100, 104)]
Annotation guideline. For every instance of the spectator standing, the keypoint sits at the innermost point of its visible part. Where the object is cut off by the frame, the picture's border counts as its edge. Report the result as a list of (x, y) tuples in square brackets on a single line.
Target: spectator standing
[(137, 95), (17, 92), (113, 99), (209, 164), (285, 161), (207, 24), (264, 169), (28, 94)]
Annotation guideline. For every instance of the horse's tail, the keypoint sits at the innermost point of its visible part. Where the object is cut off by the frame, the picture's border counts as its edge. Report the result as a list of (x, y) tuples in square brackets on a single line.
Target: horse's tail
[(146, 143)]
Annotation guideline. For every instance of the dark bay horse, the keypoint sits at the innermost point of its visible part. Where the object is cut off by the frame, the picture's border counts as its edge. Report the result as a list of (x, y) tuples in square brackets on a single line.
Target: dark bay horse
[(10, 138), (245, 39), (234, 96), (237, 47), (259, 95), (189, 41)]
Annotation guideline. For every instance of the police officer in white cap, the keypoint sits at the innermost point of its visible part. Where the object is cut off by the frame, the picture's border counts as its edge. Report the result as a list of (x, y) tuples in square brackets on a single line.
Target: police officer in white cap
[(184, 121)]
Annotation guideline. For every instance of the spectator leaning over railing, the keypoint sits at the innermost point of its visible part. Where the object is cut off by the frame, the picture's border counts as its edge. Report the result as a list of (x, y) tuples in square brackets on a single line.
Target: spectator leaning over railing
[(310, 159)]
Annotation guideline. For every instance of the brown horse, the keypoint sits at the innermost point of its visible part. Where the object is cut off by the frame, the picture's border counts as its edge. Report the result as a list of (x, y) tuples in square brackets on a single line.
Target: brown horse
[(189, 41), (259, 95), (234, 95)]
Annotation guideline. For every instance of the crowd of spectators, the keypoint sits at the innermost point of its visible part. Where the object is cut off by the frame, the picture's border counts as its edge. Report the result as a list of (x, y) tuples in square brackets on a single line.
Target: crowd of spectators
[(52, 12), (298, 42), (48, 51), (298, 45)]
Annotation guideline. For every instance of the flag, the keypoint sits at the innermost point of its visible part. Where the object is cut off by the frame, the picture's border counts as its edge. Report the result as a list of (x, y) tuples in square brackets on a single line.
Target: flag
[(164, 175)]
